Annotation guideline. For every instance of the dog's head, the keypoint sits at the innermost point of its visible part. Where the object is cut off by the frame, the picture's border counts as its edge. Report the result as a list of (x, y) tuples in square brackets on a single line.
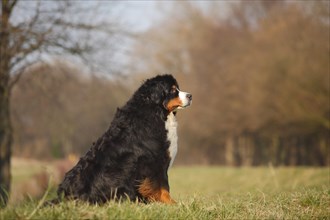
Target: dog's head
[(164, 90)]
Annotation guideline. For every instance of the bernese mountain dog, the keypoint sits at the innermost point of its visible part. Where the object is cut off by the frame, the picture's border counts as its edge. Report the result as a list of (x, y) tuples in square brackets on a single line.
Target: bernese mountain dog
[(131, 159)]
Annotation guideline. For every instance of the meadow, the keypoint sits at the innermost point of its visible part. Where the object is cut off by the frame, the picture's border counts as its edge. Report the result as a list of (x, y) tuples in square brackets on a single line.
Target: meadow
[(205, 193)]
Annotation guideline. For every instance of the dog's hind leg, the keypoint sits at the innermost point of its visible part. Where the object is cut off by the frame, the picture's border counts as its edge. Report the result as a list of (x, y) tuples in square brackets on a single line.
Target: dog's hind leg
[(153, 193)]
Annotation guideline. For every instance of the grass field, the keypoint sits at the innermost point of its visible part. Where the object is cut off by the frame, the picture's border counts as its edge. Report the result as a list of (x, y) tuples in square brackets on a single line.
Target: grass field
[(210, 193)]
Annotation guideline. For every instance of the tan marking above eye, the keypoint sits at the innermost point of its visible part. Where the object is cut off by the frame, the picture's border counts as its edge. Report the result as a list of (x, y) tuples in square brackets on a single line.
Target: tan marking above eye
[(174, 88)]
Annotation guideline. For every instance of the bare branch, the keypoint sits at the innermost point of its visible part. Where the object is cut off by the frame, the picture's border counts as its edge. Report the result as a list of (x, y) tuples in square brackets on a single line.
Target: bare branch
[(19, 72), (50, 30), (21, 53), (12, 4)]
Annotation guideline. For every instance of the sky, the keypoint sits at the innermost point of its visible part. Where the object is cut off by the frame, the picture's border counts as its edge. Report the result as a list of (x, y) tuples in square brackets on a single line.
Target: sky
[(139, 15)]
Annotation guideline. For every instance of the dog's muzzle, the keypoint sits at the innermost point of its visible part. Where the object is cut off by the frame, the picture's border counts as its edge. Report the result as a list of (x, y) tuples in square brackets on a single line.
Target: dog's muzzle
[(186, 99)]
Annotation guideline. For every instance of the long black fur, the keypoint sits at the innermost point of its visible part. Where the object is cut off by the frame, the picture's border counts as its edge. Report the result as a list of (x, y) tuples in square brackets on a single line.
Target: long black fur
[(134, 147)]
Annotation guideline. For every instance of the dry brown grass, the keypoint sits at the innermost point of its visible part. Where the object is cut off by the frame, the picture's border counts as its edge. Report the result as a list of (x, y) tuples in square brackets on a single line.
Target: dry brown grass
[(31, 177)]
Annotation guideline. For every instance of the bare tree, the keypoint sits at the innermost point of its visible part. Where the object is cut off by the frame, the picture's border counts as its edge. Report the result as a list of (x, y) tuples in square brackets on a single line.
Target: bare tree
[(31, 31)]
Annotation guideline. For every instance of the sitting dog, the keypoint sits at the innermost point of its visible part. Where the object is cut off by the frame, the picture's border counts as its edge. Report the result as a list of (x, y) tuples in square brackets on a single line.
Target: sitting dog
[(131, 159)]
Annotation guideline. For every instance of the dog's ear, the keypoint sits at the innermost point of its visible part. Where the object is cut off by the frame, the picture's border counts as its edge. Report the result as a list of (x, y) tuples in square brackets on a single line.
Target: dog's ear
[(155, 98), (157, 94)]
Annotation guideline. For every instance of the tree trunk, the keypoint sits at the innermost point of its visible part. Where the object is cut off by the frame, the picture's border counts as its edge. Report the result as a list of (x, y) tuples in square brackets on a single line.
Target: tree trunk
[(5, 128), (5, 123), (229, 155), (5, 147)]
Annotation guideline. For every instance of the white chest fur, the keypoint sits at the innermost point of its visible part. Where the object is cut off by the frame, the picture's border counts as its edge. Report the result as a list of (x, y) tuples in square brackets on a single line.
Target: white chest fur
[(171, 127)]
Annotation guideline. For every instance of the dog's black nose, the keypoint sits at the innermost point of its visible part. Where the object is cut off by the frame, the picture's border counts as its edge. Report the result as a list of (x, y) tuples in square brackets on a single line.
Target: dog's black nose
[(189, 96)]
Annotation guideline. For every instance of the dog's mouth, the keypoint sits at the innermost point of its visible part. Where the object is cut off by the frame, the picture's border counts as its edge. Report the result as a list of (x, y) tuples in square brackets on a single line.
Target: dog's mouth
[(185, 106), (189, 104)]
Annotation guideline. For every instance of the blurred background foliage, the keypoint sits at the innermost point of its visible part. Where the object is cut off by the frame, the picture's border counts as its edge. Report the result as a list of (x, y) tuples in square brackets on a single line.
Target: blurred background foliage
[(259, 78)]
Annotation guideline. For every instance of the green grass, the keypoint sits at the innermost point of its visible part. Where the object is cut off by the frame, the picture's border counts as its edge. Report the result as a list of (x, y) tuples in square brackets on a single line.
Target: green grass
[(210, 193)]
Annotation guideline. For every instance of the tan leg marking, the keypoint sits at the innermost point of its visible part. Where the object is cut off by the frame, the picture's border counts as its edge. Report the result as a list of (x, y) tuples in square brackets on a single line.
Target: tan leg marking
[(152, 193)]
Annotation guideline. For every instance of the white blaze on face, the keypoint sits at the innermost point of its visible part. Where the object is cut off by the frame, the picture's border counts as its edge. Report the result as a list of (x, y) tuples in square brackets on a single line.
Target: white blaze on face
[(184, 97), (171, 127)]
